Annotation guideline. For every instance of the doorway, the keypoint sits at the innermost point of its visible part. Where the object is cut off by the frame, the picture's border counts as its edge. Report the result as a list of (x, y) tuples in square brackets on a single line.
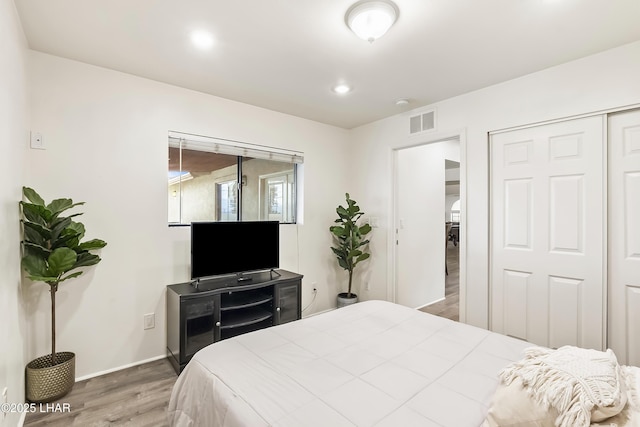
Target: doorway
[(449, 307), (420, 216)]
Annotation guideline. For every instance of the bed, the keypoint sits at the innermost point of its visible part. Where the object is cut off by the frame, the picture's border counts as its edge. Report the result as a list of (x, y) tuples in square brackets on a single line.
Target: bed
[(369, 364)]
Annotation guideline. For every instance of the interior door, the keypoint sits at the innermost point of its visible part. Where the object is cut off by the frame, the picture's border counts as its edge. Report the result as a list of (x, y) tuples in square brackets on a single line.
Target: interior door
[(420, 253), (547, 233), (624, 236)]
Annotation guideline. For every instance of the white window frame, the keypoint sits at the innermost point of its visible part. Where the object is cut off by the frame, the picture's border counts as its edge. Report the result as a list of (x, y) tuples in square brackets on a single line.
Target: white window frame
[(243, 150), (288, 206)]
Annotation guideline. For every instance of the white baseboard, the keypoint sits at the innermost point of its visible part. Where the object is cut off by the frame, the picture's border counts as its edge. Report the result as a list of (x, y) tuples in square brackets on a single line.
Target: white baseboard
[(431, 303), (23, 416), (119, 368), (319, 312)]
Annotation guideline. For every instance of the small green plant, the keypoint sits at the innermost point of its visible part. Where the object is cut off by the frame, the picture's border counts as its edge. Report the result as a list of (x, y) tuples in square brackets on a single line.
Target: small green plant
[(350, 247), (52, 246)]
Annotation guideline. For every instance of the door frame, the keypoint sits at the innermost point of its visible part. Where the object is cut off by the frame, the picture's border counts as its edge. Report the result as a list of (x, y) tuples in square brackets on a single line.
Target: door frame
[(417, 141)]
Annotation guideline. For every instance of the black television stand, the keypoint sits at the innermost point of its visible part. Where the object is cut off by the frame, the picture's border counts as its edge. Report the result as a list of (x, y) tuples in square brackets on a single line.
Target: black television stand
[(272, 272), (204, 311)]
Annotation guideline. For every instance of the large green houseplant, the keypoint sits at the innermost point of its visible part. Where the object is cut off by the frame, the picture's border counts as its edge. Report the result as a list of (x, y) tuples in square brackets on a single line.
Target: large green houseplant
[(350, 244), (52, 249)]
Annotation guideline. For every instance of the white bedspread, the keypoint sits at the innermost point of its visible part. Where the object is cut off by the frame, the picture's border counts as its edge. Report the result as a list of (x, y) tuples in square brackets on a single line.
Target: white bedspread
[(369, 364)]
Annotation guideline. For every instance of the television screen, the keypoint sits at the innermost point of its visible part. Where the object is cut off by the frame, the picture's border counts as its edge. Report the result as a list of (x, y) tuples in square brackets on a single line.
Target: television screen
[(219, 248)]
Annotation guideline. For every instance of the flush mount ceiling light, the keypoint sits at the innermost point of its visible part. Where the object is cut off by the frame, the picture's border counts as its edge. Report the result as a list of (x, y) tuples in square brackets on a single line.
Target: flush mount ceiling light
[(371, 19)]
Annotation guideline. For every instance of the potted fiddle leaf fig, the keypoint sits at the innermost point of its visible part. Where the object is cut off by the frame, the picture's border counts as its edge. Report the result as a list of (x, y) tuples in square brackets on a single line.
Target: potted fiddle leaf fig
[(350, 244), (52, 252)]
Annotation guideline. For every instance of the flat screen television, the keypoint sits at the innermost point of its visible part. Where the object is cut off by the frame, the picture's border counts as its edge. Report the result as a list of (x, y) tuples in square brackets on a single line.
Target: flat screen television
[(219, 248)]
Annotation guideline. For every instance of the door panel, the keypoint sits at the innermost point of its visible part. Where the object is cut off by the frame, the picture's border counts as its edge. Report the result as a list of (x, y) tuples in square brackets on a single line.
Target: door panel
[(547, 245), (516, 289), (566, 228), (565, 305), (517, 225), (624, 236), (420, 228)]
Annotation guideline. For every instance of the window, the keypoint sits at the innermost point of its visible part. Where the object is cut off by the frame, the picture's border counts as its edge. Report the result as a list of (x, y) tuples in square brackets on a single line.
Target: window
[(277, 193), (226, 201), (218, 180), (455, 211)]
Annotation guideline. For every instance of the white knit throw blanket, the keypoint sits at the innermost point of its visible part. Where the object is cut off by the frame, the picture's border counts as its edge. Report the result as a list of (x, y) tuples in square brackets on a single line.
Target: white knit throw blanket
[(572, 380)]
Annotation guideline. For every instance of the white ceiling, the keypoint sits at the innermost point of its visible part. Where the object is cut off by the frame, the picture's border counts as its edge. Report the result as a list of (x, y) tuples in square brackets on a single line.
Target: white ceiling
[(286, 55)]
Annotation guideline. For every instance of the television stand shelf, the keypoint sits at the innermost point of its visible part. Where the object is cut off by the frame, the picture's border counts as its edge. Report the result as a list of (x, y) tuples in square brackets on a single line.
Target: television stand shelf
[(234, 301), (224, 307), (244, 317)]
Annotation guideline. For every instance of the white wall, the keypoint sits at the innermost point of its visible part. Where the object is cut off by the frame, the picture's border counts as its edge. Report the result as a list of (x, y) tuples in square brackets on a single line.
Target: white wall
[(603, 81), (13, 137), (106, 136)]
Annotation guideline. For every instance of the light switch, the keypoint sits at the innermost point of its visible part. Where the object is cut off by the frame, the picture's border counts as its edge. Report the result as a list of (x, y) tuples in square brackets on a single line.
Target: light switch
[(149, 321)]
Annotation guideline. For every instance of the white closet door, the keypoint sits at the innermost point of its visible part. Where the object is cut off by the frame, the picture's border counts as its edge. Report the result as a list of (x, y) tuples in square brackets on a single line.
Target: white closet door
[(547, 233), (624, 236)]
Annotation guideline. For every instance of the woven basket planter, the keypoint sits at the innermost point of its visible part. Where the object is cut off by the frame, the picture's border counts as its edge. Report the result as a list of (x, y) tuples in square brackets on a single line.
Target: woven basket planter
[(45, 383)]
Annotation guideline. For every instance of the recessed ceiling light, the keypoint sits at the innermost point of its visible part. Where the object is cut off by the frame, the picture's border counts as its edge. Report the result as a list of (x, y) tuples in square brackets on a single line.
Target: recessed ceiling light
[(341, 89), (202, 39)]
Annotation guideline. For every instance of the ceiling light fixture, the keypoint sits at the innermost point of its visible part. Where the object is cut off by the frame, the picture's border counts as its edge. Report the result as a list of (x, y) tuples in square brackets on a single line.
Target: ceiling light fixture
[(341, 89), (202, 39), (371, 19)]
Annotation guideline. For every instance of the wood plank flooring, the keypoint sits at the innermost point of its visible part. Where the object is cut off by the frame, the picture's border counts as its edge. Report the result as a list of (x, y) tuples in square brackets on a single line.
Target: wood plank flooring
[(136, 397), (449, 307), (139, 396)]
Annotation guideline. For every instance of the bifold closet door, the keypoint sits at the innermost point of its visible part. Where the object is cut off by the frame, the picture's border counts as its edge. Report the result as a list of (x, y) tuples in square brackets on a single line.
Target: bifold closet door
[(624, 236), (547, 233)]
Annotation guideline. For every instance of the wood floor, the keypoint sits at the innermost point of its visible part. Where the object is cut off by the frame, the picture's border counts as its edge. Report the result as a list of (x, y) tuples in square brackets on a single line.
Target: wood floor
[(139, 396), (136, 397), (449, 307)]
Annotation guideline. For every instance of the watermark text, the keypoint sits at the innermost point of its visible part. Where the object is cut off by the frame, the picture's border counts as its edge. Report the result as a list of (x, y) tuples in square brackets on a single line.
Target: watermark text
[(35, 407)]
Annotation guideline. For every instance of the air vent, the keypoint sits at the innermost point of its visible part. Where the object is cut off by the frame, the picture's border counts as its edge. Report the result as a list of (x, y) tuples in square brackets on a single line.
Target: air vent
[(423, 122)]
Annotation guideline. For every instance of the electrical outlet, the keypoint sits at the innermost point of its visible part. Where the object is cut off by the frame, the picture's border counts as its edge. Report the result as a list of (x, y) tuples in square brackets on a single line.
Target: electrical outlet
[(315, 287), (37, 141), (150, 321)]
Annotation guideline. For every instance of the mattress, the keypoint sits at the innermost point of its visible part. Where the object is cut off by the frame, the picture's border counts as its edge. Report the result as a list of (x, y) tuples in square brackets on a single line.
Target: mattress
[(373, 363)]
